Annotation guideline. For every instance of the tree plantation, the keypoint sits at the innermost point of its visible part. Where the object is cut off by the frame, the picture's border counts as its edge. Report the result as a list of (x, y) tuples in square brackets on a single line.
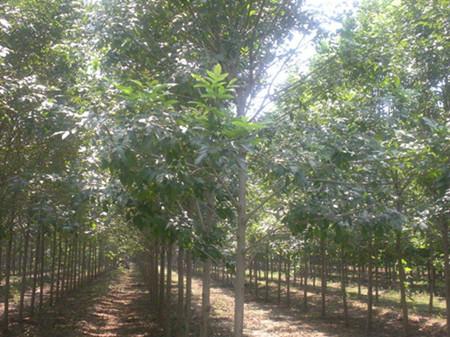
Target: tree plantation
[(229, 168)]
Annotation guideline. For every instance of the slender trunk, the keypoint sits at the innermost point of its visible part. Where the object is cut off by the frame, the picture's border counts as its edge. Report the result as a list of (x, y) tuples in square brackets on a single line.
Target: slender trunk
[(52, 272), (279, 280), (323, 287), (359, 279), (369, 288), (239, 287), (79, 261), (35, 271), (430, 285), (162, 276), (250, 274), (294, 273), (305, 283), (83, 262), (1, 260), (187, 304), (41, 279), (168, 326), (65, 253), (343, 286), (13, 260), (288, 281), (58, 272), (155, 273), (445, 247), (266, 295), (7, 281), (271, 268), (255, 264), (313, 273), (206, 306), (377, 295), (208, 224), (23, 286), (180, 306), (69, 271), (401, 274)]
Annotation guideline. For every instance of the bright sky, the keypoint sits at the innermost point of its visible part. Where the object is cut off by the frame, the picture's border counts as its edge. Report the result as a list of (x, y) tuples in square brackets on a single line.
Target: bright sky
[(328, 12)]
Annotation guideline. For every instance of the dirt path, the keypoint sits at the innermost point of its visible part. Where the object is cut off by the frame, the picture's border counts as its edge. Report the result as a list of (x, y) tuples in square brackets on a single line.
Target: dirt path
[(114, 306)]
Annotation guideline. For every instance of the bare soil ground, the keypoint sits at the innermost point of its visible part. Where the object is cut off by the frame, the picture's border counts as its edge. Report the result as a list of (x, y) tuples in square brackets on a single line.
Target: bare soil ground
[(270, 319), (118, 305)]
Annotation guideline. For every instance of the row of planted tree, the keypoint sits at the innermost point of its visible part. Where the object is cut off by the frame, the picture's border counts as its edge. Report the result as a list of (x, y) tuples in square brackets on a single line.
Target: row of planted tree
[(276, 270), (39, 265)]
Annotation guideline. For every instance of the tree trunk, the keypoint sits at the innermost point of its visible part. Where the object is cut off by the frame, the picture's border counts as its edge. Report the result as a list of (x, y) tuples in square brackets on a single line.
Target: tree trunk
[(180, 306), (239, 286), (58, 272), (377, 281), (401, 274), (369, 287), (52, 271), (35, 271), (41, 277), (305, 283), (83, 262), (430, 285), (343, 286), (279, 280), (168, 325), (359, 279), (255, 264), (323, 287), (208, 224), (206, 306), (445, 247), (162, 289), (187, 304), (288, 281), (7, 281), (266, 276), (23, 286)]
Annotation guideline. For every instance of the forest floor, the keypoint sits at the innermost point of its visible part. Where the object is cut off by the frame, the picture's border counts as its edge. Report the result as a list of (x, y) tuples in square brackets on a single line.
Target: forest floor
[(118, 305)]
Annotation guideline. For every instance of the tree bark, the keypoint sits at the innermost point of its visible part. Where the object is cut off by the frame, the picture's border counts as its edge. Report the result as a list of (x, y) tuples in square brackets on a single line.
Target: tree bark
[(279, 280), (266, 276), (430, 285), (369, 287), (343, 286), (7, 281), (23, 287), (41, 276), (239, 286), (180, 306), (35, 271), (206, 277), (52, 271), (255, 264), (305, 283), (168, 326), (206, 306), (162, 289), (288, 281), (323, 280), (401, 273), (187, 304), (445, 247)]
